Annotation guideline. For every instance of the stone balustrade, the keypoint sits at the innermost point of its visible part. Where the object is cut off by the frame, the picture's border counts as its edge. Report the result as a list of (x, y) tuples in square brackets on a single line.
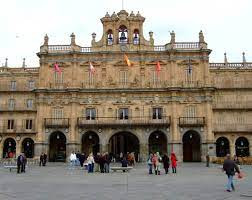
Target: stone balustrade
[(232, 127), (232, 105), (247, 65)]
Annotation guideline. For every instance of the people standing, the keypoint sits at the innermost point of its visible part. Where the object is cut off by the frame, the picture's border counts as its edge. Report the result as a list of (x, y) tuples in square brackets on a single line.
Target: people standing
[(20, 161), (97, 166), (45, 159), (82, 159), (124, 163), (107, 162), (237, 162), (166, 163), (230, 168), (156, 159), (207, 159), (41, 159), (72, 159), (174, 162), (23, 164), (149, 162), (90, 161)]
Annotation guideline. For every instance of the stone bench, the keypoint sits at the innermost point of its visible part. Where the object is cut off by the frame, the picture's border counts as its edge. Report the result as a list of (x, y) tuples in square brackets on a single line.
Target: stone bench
[(10, 167), (114, 169)]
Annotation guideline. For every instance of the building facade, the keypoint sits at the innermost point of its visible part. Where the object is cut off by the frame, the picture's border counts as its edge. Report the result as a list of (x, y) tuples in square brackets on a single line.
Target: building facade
[(188, 105)]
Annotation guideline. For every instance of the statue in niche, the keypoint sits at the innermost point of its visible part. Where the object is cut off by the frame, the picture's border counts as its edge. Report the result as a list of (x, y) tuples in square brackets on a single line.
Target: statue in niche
[(136, 81), (111, 81)]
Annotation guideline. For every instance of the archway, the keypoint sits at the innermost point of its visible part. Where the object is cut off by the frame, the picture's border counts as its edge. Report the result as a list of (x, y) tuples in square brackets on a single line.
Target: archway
[(158, 142), (28, 147), (57, 147), (222, 147), (191, 147), (124, 142), (9, 149), (242, 147), (90, 143)]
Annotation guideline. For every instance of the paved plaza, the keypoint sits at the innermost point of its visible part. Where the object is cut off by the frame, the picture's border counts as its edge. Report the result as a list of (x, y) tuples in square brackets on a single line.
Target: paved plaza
[(57, 182)]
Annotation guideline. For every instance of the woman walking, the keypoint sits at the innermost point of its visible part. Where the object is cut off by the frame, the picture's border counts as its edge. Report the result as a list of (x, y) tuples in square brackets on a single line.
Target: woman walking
[(174, 162), (149, 161)]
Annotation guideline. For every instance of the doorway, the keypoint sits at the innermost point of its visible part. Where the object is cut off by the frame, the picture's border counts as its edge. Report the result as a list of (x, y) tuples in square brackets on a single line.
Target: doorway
[(57, 147), (191, 147)]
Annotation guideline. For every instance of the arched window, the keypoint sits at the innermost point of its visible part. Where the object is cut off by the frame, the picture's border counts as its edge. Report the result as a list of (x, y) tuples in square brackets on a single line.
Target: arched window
[(110, 37), (123, 34), (136, 36), (242, 147)]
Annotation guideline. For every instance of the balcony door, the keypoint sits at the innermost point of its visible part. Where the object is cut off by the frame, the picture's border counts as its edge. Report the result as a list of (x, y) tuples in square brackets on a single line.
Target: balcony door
[(191, 147), (57, 147)]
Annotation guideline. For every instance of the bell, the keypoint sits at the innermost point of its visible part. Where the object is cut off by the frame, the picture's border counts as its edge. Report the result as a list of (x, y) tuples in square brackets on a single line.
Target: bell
[(135, 37), (123, 37), (110, 37)]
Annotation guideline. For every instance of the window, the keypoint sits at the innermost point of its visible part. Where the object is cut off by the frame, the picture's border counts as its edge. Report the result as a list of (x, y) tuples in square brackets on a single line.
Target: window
[(57, 113), (13, 85), (90, 78), (28, 124), (123, 78), (90, 113), (189, 73), (11, 104), (157, 113), (58, 77), (123, 113), (155, 77), (29, 103), (10, 124), (31, 85)]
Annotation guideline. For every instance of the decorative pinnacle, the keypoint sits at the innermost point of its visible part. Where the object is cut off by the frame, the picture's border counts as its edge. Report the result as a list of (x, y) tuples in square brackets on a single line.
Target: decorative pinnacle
[(72, 39), (46, 39), (243, 57), (23, 65), (225, 58), (6, 62)]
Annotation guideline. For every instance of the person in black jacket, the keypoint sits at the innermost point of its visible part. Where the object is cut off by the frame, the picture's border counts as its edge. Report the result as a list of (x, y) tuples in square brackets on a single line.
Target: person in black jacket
[(166, 163), (124, 163), (20, 161), (230, 168)]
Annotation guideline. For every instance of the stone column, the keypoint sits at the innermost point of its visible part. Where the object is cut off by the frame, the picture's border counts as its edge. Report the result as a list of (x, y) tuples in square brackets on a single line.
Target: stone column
[(1, 149), (18, 148), (232, 149), (209, 114), (174, 120), (144, 152)]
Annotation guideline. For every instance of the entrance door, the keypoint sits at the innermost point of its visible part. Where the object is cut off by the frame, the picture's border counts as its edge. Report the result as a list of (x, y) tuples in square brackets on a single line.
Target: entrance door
[(9, 150), (124, 142), (90, 143), (242, 147), (28, 147), (158, 143), (57, 152), (222, 147), (191, 147)]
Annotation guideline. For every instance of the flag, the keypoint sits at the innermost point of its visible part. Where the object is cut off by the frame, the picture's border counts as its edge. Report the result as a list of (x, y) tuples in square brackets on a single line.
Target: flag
[(158, 67), (127, 60), (91, 68), (56, 68)]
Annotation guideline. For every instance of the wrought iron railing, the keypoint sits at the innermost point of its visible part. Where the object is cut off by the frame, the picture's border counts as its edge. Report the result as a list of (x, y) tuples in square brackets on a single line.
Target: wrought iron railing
[(56, 122), (191, 121), (132, 121)]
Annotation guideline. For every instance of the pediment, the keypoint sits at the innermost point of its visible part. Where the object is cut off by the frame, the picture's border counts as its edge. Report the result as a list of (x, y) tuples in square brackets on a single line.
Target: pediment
[(85, 64)]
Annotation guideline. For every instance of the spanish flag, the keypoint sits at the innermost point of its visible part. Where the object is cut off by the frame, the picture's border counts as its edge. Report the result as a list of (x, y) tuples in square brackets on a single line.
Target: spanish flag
[(158, 67), (56, 68), (127, 60)]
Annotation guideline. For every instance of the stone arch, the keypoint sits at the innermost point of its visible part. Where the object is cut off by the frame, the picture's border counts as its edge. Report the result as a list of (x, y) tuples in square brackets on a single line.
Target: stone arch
[(222, 146), (110, 37), (57, 147), (28, 147), (157, 142), (136, 36), (90, 142), (124, 142), (242, 147), (191, 146), (123, 34), (9, 148)]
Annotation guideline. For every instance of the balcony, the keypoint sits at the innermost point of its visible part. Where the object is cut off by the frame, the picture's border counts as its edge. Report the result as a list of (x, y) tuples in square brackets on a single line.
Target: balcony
[(56, 122), (4, 87), (232, 127), (17, 129), (191, 121), (222, 105), (82, 122), (7, 108)]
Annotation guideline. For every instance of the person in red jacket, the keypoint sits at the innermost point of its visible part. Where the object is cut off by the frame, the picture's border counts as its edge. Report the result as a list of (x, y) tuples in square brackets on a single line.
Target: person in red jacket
[(174, 162)]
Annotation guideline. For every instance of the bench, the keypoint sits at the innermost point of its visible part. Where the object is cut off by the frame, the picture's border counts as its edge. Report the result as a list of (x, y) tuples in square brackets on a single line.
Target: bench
[(114, 169), (10, 167)]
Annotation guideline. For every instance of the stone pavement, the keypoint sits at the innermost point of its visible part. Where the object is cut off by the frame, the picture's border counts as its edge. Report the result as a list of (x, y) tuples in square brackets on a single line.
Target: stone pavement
[(57, 182)]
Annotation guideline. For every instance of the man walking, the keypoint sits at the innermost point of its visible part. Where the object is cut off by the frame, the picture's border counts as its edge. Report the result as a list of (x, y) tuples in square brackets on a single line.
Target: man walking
[(230, 168)]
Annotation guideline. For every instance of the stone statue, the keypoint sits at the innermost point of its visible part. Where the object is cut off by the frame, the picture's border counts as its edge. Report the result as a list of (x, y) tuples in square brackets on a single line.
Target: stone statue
[(72, 39), (201, 37), (172, 37), (46, 39), (151, 38)]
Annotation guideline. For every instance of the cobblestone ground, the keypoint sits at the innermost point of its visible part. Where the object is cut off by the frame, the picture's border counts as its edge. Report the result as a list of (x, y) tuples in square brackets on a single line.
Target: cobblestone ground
[(56, 181)]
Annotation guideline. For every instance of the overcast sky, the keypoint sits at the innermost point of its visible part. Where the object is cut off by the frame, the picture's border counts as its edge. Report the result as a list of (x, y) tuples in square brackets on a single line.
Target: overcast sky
[(226, 24)]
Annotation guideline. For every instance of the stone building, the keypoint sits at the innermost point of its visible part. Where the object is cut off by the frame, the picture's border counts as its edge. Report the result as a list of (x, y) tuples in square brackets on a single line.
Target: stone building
[(170, 98)]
